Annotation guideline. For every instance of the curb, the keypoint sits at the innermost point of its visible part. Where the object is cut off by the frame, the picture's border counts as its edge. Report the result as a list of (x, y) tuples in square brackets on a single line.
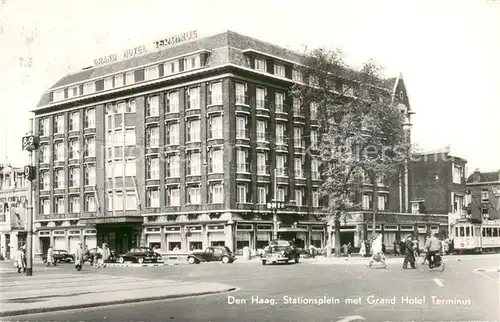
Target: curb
[(138, 265), (127, 301)]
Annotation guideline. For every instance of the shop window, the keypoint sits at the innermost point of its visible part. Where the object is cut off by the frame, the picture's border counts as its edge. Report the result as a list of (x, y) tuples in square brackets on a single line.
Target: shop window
[(174, 246), (316, 243), (217, 243), (240, 244), (154, 246), (195, 245), (261, 244)]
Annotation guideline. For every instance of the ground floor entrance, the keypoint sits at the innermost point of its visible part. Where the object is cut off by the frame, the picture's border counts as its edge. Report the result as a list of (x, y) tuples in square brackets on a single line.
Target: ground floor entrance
[(119, 238)]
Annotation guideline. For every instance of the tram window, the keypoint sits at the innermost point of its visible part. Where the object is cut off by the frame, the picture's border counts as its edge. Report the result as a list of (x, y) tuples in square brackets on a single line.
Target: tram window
[(462, 232), (456, 231), (467, 231), (495, 232), (488, 232), (484, 232)]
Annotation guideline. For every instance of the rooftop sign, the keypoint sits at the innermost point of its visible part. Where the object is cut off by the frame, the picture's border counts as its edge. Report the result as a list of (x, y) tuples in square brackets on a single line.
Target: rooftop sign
[(143, 49)]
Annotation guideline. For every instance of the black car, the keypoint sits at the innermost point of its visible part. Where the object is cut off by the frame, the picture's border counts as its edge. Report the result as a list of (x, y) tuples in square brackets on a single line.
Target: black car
[(212, 254), (139, 255), (280, 251), (60, 255)]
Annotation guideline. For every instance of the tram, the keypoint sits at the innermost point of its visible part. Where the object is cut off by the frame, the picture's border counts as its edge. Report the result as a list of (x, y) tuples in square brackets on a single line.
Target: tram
[(476, 238)]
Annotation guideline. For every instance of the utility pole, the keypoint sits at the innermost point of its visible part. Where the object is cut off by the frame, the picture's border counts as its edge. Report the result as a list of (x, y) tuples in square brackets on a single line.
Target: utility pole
[(374, 204), (30, 144)]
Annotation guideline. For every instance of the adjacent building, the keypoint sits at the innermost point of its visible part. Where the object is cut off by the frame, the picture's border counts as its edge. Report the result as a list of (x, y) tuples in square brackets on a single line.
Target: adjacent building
[(483, 189), (13, 210), (184, 147)]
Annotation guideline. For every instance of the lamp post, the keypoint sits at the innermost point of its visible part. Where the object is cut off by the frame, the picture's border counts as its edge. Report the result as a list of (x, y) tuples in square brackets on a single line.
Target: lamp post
[(275, 205)]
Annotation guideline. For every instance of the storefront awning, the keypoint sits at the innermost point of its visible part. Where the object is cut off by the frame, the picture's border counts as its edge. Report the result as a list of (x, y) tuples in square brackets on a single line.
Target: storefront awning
[(293, 230), (113, 220)]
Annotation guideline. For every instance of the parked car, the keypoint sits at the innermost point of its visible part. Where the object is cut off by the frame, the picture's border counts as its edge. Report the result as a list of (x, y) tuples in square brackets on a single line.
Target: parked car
[(280, 251), (212, 254), (139, 255), (91, 255), (60, 255)]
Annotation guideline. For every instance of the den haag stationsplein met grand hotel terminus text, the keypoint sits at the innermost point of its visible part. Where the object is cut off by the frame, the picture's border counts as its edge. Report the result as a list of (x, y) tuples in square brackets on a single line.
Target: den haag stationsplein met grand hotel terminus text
[(173, 145)]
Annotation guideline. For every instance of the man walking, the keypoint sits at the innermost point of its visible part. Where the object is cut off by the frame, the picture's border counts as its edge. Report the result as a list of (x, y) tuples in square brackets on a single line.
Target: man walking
[(20, 261), (79, 257), (409, 256)]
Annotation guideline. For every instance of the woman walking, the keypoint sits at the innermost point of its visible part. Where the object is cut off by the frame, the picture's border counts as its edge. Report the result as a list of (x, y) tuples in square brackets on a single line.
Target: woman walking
[(20, 261), (79, 261), (362, 249)]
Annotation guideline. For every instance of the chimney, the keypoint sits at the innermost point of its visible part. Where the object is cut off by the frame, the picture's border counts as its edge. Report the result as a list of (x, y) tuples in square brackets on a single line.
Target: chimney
[(477, 175)]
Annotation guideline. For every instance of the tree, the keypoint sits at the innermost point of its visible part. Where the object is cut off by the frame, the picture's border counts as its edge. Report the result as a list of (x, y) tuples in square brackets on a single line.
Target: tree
[(362, 139)]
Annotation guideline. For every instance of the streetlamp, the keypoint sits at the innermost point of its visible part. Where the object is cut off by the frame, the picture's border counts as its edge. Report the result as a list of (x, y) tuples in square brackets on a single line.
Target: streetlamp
[(274, 205)]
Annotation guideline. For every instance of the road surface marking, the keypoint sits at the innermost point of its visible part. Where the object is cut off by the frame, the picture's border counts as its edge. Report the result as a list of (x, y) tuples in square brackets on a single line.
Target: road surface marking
[(439, 282), (352, 318), (482, 273)]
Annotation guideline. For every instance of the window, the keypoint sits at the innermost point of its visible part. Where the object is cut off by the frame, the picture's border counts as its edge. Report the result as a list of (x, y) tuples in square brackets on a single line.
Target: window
[(261, 98), (192, 62), (261, 195), (217, 192), (194, 98), (153, 170), (382, 202), (241, 161), (90, 118), (194, 163), (90, 175), (215, 128), (314, 110), (194, 131), (261, 131), (90, 203), (44, 180), (59, 124), (153, 108), (90, 146), (415, 207), (74, 205), (485, 196), (153, 198), (280, 165), (296, 106), (45, 153), (153, 137), (89, 88), (241, 193), (108, 83), (299, 194), (58, 95), (119, 80), (173, 199), (45, 206), (298, 168), (280, 133), (281, 194), (72, 91), (59, 205), (130, 169), (74, 177), (173, 166), (367, 201), (131, 106), (315, 199), (74, 121), (279, 101), (279, 70), (217, 161), (118, 200), (261, 65), (131, 201), (171, 67), (241, 127), (59, 151), (129, 137), (74, 149), (173, 102), (172, 133), (458, 204), (194, 195), (297, 75), (241, 93), (315, 169), (314, 139), (151, 72), (44, 126), (129, 79), (216, 93), (457, 174), (261, 163), (297, 137), (118, 169)]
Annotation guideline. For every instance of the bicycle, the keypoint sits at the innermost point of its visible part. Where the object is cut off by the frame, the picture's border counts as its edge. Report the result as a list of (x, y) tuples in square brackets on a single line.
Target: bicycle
[(438, 263)]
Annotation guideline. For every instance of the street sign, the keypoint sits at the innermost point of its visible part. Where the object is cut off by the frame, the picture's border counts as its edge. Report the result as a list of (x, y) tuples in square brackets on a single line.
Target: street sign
[(30, 143), (30, 172)]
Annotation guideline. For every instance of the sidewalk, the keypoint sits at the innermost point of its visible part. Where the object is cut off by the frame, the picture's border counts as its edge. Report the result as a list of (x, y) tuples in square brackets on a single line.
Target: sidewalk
[(35, 294)]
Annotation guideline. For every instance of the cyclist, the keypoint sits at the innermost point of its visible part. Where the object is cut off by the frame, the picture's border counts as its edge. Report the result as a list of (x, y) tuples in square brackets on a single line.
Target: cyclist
[(433, 246)]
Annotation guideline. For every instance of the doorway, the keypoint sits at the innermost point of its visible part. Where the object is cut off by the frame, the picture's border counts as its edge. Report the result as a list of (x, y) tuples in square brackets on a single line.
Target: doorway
[(119, 238)]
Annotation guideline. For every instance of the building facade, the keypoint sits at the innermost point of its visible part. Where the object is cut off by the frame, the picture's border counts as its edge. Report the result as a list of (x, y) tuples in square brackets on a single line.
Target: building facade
[(184, 147), (483, 189), (13, 210)]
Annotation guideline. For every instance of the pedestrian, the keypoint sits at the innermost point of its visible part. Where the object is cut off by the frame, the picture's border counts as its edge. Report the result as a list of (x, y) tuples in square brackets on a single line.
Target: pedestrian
[(105, 254), (367, 245), (349, 250), (409, 257), (383, 248), (344, 247), (395, 247), (50, 257), (362, 249), (402, 246), (377, 256), (97, 257), (79, 257), (20, 261)]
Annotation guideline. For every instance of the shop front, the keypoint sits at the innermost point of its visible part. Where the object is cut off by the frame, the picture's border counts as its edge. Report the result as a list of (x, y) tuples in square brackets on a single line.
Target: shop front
[(90, 239), (74, 240), (194, 235), (153, 237), (244, 237), (216, 236), (317, 236), (264, 235), (173, 238)]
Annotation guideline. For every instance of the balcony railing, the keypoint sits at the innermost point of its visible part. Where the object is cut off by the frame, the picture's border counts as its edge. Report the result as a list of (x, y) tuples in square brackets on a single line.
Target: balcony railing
[(281, 172), (262, 104)]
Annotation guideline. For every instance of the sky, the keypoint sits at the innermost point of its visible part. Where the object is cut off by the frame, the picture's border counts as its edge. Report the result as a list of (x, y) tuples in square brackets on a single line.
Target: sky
[(447, 51)]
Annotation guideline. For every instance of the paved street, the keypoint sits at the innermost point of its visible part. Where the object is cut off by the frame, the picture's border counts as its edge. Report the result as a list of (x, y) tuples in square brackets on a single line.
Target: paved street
[(467, 290)]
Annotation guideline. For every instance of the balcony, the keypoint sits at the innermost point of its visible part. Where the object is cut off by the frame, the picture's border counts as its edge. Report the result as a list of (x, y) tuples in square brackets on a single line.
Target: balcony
[(241, 100)]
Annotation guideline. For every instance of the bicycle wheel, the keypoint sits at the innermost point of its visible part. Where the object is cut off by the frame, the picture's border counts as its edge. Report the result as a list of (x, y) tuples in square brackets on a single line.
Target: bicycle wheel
[(441, 267)]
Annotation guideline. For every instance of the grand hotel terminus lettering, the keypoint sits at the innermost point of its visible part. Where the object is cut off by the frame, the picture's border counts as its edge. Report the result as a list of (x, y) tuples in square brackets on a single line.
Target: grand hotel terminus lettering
[(143, 49)]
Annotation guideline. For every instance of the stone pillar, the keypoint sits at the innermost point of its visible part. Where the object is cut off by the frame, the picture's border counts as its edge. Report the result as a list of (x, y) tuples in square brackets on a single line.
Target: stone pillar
[(13, 245), (205, 237), (37, 252), (254, 241), (229, 234), (3, 245), (184, 241), (163, 240), (66, 237), (309, 238), (53, 242)]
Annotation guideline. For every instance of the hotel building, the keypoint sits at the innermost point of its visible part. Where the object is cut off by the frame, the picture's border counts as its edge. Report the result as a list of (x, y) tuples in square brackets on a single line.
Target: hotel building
[(184, 147)]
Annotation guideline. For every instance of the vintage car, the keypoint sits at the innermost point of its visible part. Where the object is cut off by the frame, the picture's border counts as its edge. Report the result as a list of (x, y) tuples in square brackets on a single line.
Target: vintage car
[(280, 251), (60, 255), (139, 255), (212, 254)]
